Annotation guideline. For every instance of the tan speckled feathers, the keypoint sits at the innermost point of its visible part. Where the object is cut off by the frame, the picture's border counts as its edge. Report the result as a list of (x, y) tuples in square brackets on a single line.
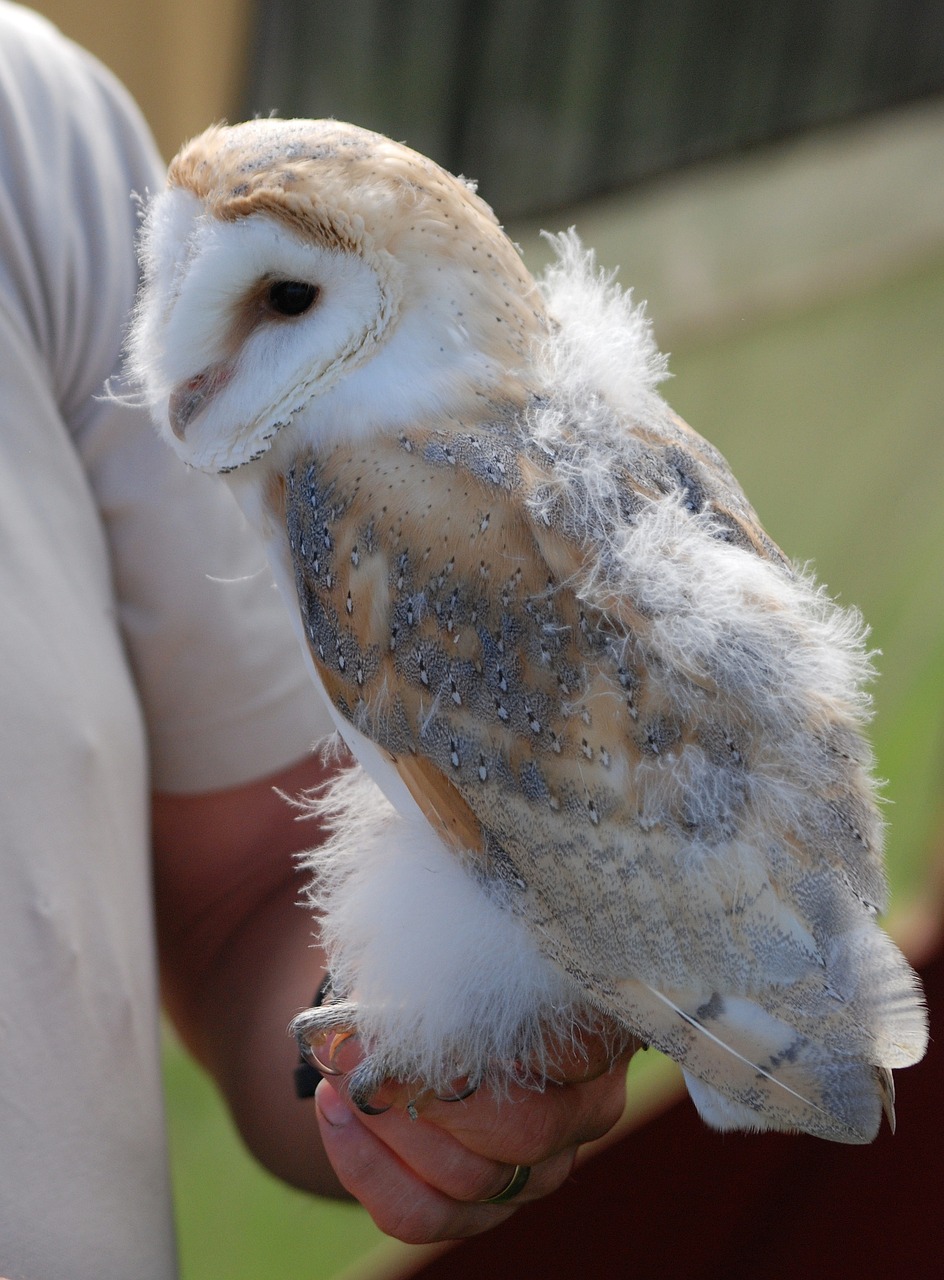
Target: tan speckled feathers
[(558, 729)]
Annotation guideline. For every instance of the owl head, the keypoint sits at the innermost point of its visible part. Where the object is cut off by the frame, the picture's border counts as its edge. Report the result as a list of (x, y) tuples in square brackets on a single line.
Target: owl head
[(301, 272)]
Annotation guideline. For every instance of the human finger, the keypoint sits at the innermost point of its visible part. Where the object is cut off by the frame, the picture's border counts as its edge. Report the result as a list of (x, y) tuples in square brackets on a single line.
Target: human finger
[(416, 1181), (528, 1126)]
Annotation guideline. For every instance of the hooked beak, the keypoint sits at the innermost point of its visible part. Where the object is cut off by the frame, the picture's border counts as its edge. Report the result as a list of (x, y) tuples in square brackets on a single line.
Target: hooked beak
[(192, 396)]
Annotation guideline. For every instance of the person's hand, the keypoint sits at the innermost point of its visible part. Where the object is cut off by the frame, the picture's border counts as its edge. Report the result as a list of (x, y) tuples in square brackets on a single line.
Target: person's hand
[(427, 1176)]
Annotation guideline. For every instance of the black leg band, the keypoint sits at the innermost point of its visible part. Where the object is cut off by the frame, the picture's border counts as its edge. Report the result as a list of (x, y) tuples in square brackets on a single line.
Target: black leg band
[(307, 1075)]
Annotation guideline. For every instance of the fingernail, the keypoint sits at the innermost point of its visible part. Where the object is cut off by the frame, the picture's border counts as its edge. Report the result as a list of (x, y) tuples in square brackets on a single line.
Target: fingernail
[(331, 1106)]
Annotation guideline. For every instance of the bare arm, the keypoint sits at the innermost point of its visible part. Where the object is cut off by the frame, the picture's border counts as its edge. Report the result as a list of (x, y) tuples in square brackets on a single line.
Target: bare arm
[(238, 962)]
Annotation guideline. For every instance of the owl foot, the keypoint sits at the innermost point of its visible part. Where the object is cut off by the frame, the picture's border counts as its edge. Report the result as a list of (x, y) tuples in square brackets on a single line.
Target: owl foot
[(329, 1039), (327, 1036)]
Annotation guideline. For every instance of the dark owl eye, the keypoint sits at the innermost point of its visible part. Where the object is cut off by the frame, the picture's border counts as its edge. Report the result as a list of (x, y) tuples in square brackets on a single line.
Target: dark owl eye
[(292, 297)]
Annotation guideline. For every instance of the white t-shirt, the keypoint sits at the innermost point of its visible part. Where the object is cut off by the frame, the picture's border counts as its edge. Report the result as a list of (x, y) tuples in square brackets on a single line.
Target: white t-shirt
[(141, 645)]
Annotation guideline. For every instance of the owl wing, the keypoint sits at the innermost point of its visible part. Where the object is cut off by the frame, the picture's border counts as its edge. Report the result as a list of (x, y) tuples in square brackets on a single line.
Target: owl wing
[(586, 683)]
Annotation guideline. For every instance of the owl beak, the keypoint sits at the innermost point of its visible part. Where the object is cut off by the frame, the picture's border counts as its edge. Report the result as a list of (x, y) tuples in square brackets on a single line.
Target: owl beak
[(192, 396)]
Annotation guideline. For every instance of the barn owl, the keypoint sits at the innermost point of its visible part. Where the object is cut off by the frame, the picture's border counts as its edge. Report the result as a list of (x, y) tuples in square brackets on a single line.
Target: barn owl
[(613, 766)]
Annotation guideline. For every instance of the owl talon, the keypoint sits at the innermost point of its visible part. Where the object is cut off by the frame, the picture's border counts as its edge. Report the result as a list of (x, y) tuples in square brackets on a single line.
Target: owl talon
[(368, 1108), (367, 1096), (326, 1036), (459, 1093), (323, 1049)]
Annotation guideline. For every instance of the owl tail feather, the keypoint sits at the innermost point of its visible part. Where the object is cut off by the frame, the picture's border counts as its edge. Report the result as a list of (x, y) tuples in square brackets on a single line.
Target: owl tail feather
[(747, 1070)]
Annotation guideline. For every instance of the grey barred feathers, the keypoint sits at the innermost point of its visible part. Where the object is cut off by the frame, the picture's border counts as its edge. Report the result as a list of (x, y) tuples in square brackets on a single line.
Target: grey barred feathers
[(613, 773)]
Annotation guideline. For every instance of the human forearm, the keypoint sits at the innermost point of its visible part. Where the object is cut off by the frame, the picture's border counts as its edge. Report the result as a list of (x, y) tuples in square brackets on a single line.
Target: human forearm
[(237, 957)]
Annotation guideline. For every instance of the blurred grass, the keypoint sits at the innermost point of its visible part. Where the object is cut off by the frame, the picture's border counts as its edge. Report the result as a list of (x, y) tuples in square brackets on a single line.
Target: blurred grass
[(831, 416), (235, 1221)]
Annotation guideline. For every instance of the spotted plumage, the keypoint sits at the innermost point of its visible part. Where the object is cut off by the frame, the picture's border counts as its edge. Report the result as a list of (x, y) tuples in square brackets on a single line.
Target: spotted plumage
[(617, 737)]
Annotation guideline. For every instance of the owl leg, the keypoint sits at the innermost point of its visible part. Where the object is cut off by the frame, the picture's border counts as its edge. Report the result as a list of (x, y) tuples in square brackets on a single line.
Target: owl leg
[(440, 979)]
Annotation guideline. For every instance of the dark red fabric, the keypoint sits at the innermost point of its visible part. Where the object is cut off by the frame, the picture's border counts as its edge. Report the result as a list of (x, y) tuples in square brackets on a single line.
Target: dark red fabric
[(675, 1199)]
